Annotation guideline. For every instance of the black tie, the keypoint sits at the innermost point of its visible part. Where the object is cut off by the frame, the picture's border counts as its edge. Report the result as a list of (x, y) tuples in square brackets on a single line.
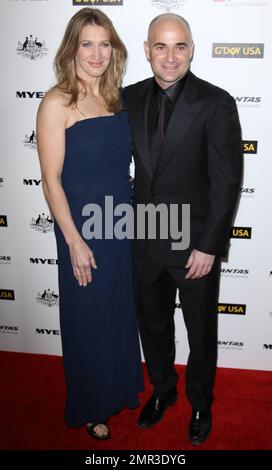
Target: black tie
[(157, 128)]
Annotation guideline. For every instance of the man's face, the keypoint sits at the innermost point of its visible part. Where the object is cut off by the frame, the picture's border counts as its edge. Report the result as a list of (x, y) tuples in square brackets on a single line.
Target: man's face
[(169, 49)]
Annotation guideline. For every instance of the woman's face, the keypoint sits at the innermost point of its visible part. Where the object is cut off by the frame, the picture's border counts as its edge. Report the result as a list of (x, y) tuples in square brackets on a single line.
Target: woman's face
[(94, 52)]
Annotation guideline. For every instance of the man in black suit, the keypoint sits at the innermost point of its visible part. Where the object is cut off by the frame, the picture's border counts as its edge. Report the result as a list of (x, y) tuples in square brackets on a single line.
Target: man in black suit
[(187, 151)]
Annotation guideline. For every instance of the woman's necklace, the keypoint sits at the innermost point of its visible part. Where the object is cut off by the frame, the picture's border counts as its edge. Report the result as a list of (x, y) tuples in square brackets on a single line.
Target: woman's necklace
[(94, 97)]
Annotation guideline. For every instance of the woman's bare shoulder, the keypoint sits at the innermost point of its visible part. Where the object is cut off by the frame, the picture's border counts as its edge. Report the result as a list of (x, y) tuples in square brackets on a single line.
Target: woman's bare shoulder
[(55, 97), (55, 104)]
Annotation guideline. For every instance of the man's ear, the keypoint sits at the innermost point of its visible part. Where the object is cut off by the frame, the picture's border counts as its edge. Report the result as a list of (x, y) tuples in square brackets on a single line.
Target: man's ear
[(147, 51), (192, 51)]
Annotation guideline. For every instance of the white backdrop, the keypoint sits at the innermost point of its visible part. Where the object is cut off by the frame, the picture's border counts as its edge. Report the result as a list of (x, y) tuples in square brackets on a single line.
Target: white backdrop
[(233, 50)]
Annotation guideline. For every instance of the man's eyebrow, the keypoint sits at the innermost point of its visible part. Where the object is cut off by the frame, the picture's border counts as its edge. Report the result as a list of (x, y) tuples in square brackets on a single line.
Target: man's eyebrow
[(159, 44), (163, 44)]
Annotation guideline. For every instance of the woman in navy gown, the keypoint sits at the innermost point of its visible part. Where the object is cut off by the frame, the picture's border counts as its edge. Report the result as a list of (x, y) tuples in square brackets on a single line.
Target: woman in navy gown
[(84, 143)]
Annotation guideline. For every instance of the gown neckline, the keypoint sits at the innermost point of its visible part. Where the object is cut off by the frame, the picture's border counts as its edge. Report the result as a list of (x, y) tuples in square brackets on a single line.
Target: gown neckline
[(90, 119)]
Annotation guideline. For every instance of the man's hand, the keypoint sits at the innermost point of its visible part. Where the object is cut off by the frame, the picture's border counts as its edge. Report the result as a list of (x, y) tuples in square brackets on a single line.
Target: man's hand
[(199, 264)]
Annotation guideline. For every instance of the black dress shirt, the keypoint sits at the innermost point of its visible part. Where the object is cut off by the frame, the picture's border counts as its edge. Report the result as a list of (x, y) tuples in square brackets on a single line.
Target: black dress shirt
[(173, 92)]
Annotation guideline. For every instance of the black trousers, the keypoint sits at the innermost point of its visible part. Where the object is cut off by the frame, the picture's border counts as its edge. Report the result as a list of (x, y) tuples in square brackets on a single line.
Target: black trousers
[(155, 287)]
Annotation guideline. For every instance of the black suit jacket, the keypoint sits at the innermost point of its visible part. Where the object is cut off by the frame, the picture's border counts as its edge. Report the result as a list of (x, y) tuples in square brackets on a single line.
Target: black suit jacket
[(200, 163)]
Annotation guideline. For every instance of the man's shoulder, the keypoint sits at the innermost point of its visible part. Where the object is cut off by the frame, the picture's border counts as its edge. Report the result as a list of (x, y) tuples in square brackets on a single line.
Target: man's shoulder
[(138, 88), (208, 89)]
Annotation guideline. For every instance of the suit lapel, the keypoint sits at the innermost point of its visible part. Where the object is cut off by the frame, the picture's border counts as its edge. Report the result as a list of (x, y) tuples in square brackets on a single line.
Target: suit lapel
[(139, 117), (186, 109)]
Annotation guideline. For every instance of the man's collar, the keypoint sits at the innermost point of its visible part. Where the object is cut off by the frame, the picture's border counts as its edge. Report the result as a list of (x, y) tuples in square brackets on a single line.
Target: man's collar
[(173, 91)]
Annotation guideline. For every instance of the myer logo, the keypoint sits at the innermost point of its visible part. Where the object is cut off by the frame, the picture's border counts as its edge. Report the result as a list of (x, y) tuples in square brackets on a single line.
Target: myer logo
[(267, 346), (43, 261), (250, 146), (237, 50), (45, 331), (240, 232), (30, 94), (98, 2), (232, 309), (31, 182), (7, 294), (3, 221)]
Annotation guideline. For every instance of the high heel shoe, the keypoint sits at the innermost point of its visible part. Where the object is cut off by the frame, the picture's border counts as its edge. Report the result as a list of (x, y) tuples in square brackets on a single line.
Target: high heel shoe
[(91, 430)]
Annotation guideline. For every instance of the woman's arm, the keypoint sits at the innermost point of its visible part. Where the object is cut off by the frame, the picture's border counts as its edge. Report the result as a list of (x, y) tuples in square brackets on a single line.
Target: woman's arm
[(52, 118)]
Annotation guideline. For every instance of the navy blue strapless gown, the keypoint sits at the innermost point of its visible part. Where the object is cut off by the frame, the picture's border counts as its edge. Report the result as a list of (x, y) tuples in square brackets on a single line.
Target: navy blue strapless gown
[(98, 323)]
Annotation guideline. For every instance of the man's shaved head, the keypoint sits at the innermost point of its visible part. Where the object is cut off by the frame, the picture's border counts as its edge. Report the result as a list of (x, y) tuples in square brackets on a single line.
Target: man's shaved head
[(170, 17), (169, 48)]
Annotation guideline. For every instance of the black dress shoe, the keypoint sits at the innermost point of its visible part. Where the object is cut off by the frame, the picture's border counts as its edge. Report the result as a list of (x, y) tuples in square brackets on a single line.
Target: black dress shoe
[(200, 426), (154, 409)]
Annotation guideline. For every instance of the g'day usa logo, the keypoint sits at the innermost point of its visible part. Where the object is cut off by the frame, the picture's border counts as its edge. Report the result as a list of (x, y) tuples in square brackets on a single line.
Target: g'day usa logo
[(31, 48), (3, 221), (7, 294), (238, 50), (250, 147), (241, 232), (231, 309), (168, 5)]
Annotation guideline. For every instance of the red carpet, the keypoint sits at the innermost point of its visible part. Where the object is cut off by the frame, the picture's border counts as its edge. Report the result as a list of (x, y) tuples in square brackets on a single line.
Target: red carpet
[(32, 400)]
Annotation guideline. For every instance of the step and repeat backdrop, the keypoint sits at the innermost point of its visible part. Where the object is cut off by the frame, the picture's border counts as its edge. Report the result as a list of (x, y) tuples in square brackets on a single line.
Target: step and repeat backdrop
[(233, 45)]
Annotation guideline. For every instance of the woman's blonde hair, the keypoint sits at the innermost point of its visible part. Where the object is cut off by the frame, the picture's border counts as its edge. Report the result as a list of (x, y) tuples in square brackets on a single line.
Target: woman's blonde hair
[(67, 79)]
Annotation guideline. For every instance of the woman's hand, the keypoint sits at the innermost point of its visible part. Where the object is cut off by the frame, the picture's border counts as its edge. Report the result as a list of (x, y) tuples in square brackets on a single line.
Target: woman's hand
[(82, 259)]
